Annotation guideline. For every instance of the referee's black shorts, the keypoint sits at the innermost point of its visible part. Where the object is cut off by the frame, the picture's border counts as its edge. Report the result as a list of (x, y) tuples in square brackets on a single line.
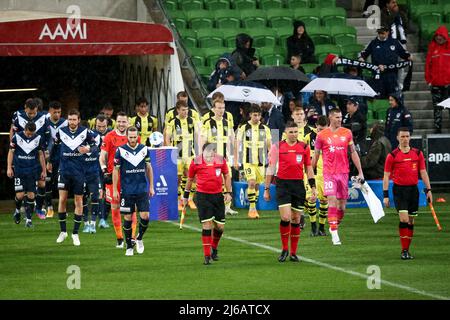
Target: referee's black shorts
[(406, 198), (291, 192), (211, 207)]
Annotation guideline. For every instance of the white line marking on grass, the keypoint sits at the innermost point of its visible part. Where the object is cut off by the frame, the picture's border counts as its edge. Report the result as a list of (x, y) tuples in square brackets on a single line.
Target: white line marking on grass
[(325, 265)]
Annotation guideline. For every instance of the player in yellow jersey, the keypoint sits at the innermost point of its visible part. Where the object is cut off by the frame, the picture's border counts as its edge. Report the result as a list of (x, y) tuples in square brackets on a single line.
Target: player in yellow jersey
[(107, 110), (144, 121), (219, 131), (172, 112), (253, 141), (181, 133)]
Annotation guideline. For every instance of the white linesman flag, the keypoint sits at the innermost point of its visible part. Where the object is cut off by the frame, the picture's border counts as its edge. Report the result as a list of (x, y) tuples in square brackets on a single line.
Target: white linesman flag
[(374, 204)]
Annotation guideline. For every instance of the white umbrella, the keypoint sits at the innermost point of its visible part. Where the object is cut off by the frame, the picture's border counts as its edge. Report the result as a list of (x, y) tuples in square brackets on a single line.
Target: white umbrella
[(243, 93), (346, 87), (445, 103)]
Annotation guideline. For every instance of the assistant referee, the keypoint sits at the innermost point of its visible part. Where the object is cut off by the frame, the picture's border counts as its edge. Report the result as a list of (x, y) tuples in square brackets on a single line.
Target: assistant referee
[(403, 166), (210, 170), (293, 158)]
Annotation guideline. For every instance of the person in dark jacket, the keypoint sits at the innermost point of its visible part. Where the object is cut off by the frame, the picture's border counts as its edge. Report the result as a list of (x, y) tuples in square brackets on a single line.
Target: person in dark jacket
[(396, 20), (224, 67), (437, 72), (244, 55), (300, 44), (320, 105), (385, 51), (355, 121), (273, 118), (373, 161), (397, 116)]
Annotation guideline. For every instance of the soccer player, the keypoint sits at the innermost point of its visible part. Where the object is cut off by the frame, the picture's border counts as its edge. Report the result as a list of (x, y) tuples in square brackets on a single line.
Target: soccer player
[(181, 132), (333, 143), (172, 112), (210, 114), (132, 164), (219, 131), (56, 121), (111, 142), (253, 140), (293, 159), (75, 141), (403, 166), (26, 164), (108, 111), (210, 170), (144, 121), (21, 118)]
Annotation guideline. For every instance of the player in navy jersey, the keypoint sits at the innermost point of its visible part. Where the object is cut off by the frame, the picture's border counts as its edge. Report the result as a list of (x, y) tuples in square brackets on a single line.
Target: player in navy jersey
[(101, 127), (132, 164), (75, 141), (26, 164), (55, 122), (92, 186), (31, 113)]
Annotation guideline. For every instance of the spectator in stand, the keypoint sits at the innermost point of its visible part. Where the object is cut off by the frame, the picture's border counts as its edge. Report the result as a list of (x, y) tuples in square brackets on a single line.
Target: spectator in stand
[(395, 19), (295, 62), (287, 110), (437, 72), (300, 44), (225, 67), (244, 55), (385, 51), (355, 120), (273, 118), (319, 106), (368, 3), (397, 116), (329, 64), (373, 161)]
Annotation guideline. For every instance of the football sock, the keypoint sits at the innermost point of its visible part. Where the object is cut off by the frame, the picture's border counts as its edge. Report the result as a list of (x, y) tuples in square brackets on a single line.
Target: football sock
[(323, 213), (332, 218), (252, 198), (40, 196), (85, 209), (295, 237), (48, 193), (410, 234), (340, 215), (29, 207), (94, 211), (216, 235), (127, 231), (77, 222), (62, 221), (206, 240), (404, 235), (285, 230), (18, 203), (143, 225), (312, 211), (256, 195), (117, 222), (183, 184)]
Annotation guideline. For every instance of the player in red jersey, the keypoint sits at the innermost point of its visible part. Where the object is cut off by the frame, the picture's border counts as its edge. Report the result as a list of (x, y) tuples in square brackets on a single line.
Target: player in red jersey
[(333, 143), (293, 158), (111, 142), (403, 166), (210, 170)]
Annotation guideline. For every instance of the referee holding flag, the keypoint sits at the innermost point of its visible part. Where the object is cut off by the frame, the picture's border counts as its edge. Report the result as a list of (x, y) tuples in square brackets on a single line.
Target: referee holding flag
[(210, 170), (293, 158)]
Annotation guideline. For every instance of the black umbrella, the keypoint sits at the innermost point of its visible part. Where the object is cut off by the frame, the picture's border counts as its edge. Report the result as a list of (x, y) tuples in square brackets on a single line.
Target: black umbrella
[(285, 78)]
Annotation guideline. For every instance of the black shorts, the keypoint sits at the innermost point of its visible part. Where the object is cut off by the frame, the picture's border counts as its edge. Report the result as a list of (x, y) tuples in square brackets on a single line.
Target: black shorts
[(26, 183), (92, 185), (406, 198), (291, 192), (211, 207), (134, 202), (71, 182)]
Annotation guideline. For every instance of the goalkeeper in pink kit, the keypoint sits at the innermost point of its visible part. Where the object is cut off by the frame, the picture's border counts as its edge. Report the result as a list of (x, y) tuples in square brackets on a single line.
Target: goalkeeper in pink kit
[(333, 143)]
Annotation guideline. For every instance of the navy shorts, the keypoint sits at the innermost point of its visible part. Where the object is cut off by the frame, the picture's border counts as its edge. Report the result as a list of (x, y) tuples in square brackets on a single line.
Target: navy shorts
[(92, 184), (70, 182), (134, 202), (26, 183)]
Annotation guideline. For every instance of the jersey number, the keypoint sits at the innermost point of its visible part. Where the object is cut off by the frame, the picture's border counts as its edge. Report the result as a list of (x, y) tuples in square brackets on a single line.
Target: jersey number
[(17, 181), (122, 203)]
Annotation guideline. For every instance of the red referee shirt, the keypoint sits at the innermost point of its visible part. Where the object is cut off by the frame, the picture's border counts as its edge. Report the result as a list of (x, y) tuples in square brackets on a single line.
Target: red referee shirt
[(209, 175), (291, 159), (405, 167)]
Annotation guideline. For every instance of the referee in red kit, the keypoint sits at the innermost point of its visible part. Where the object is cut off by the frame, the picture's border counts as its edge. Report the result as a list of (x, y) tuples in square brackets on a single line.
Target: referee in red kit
[(293, 158), (210, 170), (403, 166)]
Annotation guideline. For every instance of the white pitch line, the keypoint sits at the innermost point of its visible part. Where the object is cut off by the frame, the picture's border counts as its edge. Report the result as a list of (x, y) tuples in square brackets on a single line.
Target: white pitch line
[(326, 265)]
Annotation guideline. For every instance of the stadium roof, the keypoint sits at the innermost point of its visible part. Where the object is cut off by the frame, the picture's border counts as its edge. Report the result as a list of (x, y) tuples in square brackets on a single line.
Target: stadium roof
[(27, 33)]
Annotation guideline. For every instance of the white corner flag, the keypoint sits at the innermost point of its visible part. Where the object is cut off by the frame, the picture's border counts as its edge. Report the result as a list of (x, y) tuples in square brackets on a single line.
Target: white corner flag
[(374, 204)]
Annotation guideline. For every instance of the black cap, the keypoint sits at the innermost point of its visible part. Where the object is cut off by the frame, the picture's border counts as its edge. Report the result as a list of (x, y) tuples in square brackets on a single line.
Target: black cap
[(353, 100), (383, 29)]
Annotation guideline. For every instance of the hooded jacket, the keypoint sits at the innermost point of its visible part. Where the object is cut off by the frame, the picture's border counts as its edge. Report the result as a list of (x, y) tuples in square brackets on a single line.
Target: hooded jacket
[(437, 65), (243, 56), (373, 162), (303, 46), (220, 75), (396, 118), (384, 52)]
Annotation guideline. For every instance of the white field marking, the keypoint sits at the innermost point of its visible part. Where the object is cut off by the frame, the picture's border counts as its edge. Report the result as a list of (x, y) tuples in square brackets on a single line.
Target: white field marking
[(326, 265)]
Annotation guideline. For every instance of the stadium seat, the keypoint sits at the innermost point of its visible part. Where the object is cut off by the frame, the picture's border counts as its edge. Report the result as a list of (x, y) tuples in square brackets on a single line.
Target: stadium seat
[(323, 3), (321, 51), (171, 5), (227, 19), (333, 16), (309, 67), (229, 36), (208, 39), (283, 34), (266, 51), (244, 4), (293, 4), (280, 18), (188, 5), (179, 19), (200, 19), (343, 35), (273, 60), (320, 35), (189, 37), (351, 51), (213, 54), (217, 5), (310, 16), (253, 18), (197, 56), (379, 108), (263, 37), (270, 4)]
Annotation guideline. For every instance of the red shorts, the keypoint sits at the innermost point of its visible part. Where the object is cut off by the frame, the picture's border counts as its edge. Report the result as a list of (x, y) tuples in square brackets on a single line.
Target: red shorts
[(336, 185), (109, 193)]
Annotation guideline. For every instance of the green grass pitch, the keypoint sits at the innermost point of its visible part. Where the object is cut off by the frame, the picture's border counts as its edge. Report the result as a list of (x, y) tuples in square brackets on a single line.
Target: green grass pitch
[(34, 266)]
